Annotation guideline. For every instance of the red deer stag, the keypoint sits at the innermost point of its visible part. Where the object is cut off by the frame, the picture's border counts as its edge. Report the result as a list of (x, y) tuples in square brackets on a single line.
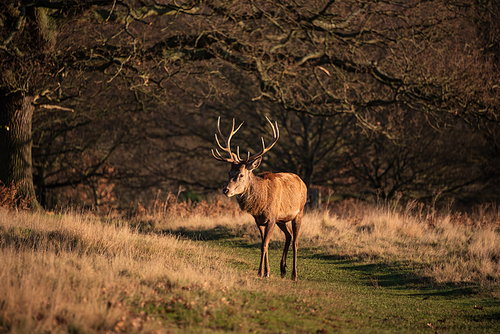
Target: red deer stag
[(272, 199)]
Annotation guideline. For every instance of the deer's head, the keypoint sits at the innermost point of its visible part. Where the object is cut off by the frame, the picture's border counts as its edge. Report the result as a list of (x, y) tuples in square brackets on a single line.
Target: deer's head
[(241, 169)]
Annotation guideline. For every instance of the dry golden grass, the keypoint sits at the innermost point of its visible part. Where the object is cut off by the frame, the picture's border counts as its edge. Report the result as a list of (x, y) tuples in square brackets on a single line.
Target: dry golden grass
[(445, 248), (448, 247), (73, 269), (9, 198), (80, 273)]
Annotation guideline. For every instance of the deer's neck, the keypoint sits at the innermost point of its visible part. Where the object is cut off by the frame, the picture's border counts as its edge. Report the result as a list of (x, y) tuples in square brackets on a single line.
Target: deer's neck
[(253, 200)]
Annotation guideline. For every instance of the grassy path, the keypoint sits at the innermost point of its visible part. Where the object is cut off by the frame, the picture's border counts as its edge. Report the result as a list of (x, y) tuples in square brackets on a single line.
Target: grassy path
[(343, 295)]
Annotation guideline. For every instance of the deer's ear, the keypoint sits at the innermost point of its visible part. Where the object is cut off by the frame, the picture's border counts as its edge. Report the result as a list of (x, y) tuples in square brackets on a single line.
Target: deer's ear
[(254, 164)]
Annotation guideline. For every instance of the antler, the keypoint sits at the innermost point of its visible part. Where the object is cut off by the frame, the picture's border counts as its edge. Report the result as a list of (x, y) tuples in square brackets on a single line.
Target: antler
[(276, 136), (235, 158)]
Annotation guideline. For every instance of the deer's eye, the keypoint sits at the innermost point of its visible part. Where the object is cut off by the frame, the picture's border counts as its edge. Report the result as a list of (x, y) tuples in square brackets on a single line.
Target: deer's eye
[(240, 176)]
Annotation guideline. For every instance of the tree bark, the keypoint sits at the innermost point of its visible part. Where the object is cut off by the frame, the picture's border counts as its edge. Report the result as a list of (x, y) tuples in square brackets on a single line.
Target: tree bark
[(16, 111)]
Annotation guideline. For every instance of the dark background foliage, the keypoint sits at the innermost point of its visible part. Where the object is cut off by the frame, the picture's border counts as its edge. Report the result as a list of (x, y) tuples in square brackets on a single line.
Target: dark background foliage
[(372, 98)]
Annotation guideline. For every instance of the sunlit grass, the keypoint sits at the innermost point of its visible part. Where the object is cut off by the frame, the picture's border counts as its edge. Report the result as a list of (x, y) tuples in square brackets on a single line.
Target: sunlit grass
[(82, 273), (447, 248), (76, 271)]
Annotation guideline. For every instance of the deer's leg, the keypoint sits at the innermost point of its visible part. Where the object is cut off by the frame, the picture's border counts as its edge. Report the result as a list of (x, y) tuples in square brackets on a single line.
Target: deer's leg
[(286, 228), (265, 231), (295, 232), (261, 230)]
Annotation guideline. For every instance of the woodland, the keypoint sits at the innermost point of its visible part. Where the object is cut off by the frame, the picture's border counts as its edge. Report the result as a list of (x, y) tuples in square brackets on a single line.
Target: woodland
[(106, 104)]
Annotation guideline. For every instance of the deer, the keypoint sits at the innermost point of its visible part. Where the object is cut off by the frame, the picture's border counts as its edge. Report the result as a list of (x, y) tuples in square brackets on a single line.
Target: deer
[(271, 198)]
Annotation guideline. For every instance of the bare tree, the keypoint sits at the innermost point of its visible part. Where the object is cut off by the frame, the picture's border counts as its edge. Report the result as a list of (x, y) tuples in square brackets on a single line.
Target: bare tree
[(348, 80)]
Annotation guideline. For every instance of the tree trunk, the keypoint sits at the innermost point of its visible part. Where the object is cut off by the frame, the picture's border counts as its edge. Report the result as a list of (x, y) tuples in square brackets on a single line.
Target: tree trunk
[(16, 111)]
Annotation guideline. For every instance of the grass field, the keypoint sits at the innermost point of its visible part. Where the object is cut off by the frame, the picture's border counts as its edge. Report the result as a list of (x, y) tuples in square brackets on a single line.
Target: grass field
[(362, 269)]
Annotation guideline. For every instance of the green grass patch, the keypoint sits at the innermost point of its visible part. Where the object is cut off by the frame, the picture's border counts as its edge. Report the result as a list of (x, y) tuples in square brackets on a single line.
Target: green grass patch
[(333, 294)]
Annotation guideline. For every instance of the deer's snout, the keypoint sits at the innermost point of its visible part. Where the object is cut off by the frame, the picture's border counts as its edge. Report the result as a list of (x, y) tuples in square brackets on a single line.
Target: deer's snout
[(225, 191)]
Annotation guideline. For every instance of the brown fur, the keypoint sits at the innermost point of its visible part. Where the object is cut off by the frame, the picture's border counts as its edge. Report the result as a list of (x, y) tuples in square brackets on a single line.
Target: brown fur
[(272, 199), (279, 196)]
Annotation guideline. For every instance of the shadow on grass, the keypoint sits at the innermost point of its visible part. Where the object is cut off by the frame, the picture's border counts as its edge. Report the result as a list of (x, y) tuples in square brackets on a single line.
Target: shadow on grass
[(394, 275), (26, 238), (220, 234), (216, 233), (397, 275)]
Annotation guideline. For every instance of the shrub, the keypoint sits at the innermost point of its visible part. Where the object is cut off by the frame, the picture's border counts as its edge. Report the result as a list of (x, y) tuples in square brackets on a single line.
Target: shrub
[(9, 198)]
